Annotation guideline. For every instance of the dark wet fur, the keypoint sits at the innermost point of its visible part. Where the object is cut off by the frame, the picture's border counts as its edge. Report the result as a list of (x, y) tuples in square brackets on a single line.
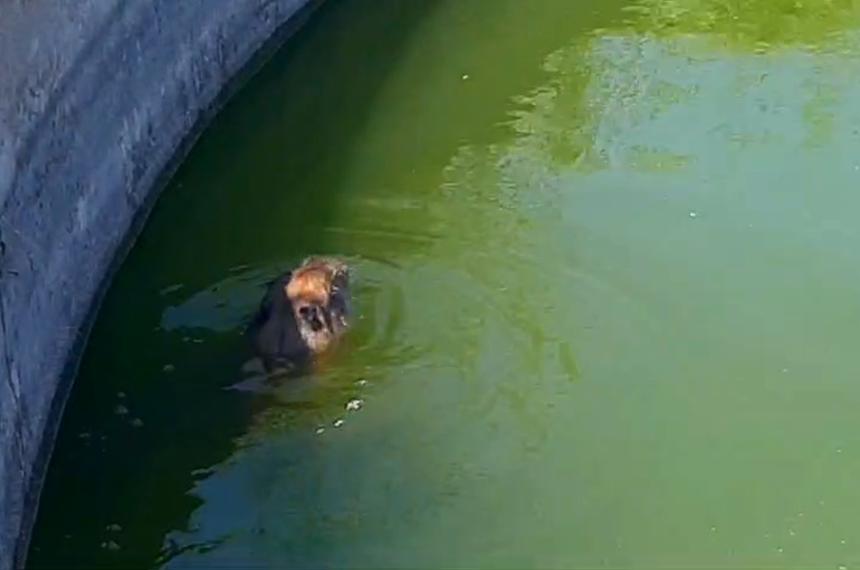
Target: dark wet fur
[(274, 332)]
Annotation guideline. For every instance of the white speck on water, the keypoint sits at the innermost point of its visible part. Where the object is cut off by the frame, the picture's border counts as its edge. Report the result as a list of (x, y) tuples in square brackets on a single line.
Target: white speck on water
[(465, 76), (120, 395), (779, 549), (693, 214), (354, 405), (113, 528), (784, 370), (838, 450), (137, 422), (713, 529), (168, 368), (320, 430), (843, 541), (842, 567), (361, 382), (791, 532), (120, 410), (338, 422), (799, 514)]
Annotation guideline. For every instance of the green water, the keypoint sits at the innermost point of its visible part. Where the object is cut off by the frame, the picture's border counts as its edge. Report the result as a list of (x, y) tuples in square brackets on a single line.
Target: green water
[(607, 261)]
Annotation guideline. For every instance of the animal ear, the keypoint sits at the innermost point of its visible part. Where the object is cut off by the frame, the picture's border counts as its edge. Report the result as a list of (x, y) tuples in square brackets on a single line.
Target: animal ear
[(340, 281)]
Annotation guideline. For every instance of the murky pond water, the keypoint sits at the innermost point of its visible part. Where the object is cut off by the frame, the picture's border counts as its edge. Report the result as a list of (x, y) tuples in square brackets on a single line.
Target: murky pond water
[(608, 263)]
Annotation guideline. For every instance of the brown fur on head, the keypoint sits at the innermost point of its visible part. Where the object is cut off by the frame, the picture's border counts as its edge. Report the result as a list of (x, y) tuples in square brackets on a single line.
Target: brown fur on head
[(318, 293), (312, 281)]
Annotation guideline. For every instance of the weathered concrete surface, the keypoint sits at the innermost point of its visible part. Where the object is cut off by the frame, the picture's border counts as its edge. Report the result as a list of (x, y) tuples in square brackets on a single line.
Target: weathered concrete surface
[(97, 98)]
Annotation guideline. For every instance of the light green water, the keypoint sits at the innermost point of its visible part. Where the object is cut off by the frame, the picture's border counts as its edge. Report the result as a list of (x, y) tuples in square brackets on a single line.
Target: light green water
[(607, 275)]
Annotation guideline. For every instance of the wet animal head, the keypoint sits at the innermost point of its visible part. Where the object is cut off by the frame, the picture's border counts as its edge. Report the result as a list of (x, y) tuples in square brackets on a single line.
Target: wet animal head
[(319, 293)]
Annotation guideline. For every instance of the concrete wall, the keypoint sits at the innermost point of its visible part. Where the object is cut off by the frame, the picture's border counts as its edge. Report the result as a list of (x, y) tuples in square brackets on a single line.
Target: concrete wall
[(98, 98)]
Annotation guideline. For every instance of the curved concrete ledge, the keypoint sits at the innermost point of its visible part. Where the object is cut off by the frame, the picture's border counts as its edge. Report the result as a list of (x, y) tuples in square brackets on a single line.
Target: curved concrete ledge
[(98, 98)]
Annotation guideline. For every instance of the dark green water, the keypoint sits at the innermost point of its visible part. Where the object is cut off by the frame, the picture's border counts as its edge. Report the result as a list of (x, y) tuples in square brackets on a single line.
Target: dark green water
[(608, 263)]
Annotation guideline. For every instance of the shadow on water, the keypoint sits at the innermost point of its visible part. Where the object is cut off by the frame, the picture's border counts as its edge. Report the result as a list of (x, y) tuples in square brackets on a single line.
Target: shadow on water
[(158, 387)]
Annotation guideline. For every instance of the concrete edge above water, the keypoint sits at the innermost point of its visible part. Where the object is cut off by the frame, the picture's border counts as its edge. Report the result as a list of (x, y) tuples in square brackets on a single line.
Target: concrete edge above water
[(99, 100)]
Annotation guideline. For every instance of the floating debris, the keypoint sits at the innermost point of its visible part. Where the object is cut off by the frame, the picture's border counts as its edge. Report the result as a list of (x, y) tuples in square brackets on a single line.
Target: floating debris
[(110, 545), (120, 410), (113, 528), (693, 214), (137, 422), (354, 405), (120, 395), (361, 382), (168, 368), (465, 76), (320, 430), (338, 422)]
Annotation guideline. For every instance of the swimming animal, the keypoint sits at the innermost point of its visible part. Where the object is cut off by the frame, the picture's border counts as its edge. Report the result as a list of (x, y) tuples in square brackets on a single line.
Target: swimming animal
[(303, 314)]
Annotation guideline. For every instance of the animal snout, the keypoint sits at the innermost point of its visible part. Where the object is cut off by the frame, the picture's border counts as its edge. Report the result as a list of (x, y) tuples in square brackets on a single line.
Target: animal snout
[(312, 315)]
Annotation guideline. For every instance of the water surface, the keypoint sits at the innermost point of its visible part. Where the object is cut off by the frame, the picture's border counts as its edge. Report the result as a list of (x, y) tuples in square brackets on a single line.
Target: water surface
[(607, 264)]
